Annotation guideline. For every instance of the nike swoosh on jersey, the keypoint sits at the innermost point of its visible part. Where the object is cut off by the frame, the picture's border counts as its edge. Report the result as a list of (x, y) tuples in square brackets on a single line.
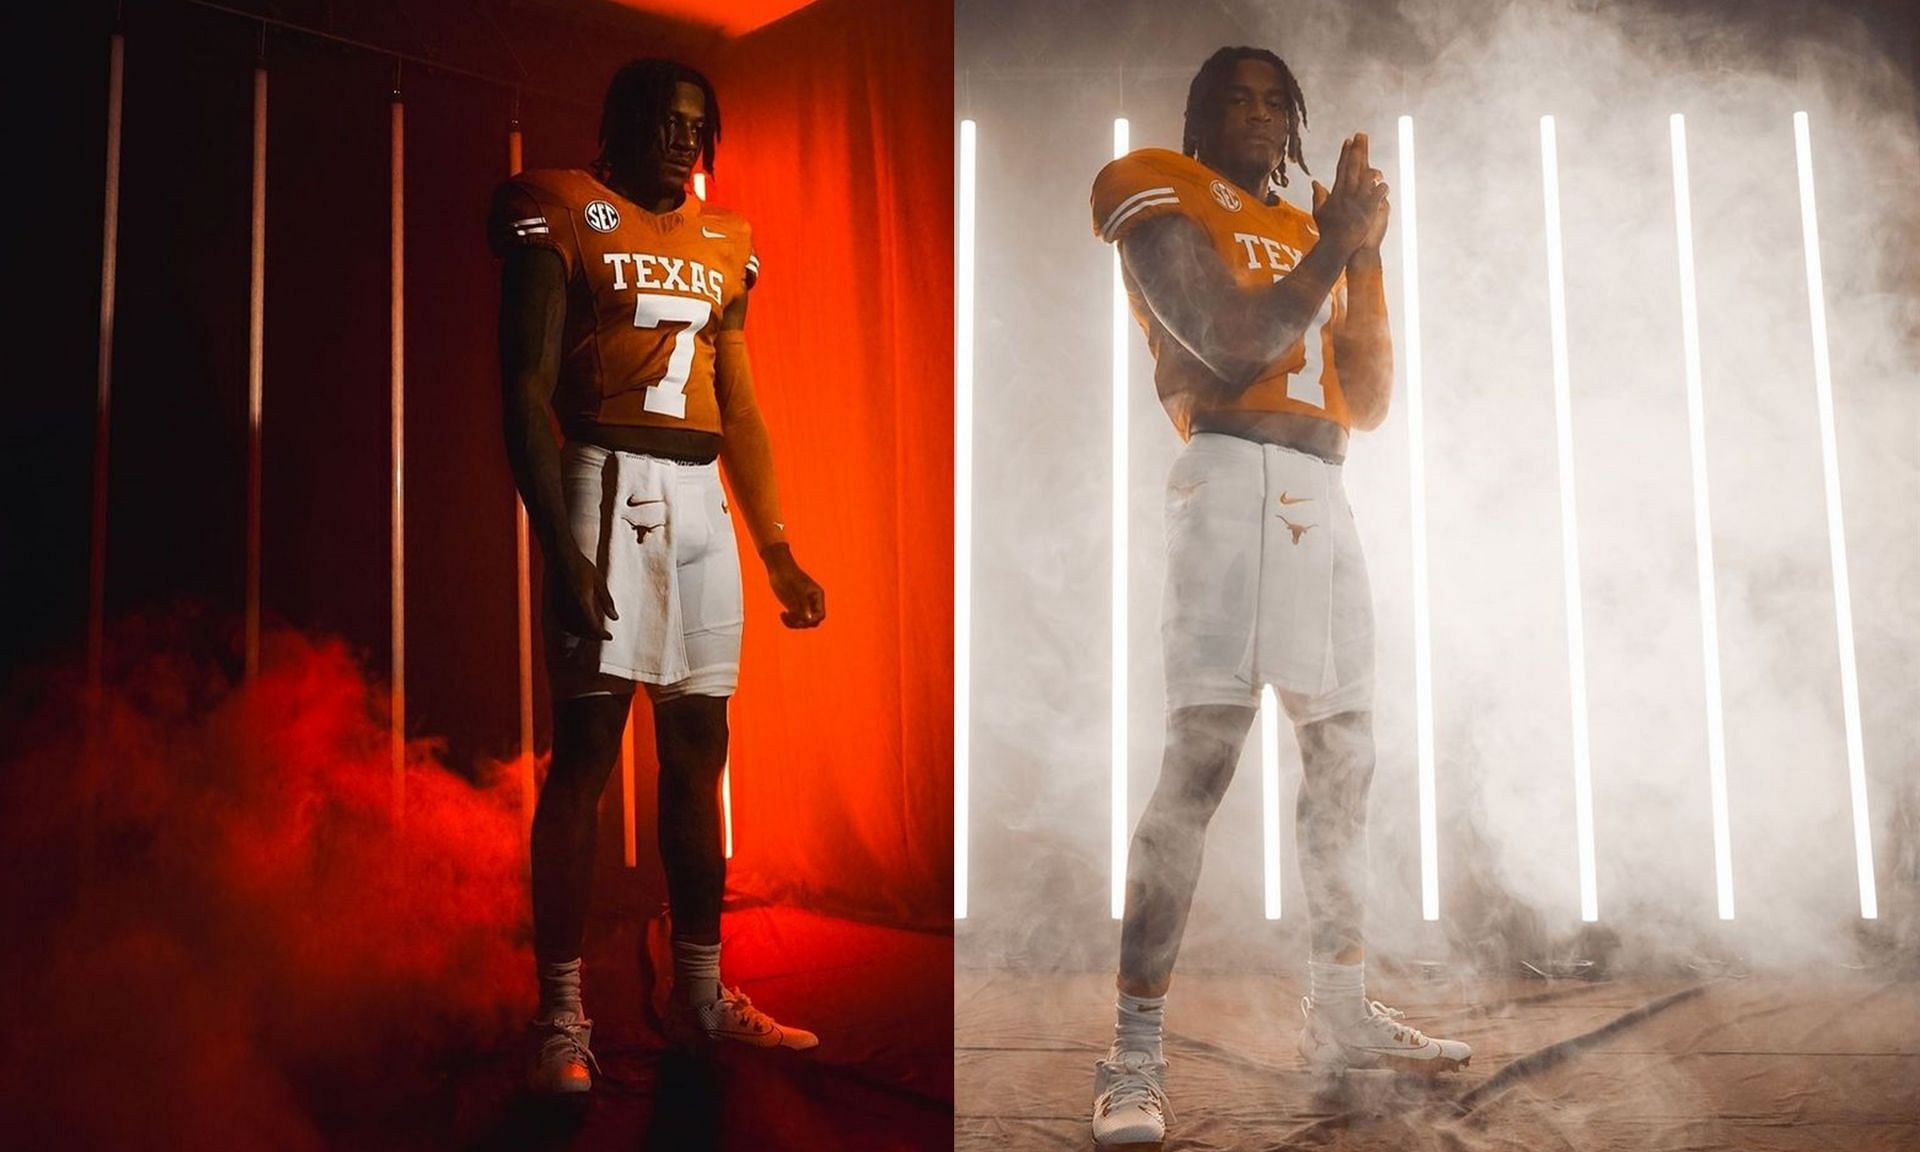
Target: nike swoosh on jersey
[(711, 234), (1295, 500), (635, 502)]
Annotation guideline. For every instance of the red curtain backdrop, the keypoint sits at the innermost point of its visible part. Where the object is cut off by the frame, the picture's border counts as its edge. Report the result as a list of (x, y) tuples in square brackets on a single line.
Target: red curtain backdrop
[(838, 147)]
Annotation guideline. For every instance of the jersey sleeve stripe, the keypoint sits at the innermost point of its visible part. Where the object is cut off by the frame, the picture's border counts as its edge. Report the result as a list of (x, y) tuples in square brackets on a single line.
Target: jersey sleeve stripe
[(1125, 213), (1129, 202), (1163, 190)]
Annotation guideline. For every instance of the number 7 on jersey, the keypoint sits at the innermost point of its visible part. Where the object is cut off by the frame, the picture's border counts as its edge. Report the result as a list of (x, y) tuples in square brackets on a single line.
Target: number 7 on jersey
[(668, 396)]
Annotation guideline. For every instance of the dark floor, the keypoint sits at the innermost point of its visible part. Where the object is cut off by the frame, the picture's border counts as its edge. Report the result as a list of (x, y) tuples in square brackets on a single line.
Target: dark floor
[(881, 1078), (1760, 1064)]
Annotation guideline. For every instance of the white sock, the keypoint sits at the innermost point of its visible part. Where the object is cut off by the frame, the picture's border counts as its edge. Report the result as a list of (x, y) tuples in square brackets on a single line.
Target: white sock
[(696, 971), (1338, 991), (560, 988), (1137, 1024)]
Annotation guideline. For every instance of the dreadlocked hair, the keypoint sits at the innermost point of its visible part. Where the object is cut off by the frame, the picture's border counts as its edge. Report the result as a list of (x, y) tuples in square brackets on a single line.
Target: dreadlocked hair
[(1205, 104), (637, 104)]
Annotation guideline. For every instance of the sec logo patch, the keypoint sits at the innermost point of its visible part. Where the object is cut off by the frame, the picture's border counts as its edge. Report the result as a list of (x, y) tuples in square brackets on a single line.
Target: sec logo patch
[(1228, 198), (602, 216)]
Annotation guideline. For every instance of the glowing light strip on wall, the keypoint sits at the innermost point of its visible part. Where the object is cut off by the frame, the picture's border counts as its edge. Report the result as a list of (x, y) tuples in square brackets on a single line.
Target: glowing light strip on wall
[(629, 838), (397, 543), (963, 515), (1836, 525), (103, 382), (726, 809), (256, 368), (1417, 477), (1569, 523), (523, 601), (1118, 847), (1270, 798), (1702, 521)]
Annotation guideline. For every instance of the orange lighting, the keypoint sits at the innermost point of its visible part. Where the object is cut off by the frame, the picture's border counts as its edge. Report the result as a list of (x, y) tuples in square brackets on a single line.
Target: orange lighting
[(733, 17)]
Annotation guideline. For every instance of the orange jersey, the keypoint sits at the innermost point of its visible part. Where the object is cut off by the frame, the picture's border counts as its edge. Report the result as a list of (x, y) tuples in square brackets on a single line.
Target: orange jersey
[(1259, 243), (645, 292)]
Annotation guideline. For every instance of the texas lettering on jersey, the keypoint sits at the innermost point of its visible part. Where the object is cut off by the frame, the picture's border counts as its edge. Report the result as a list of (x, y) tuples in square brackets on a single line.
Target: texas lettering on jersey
[(1258, 243), (643, 353), (1279, 257), (653, 273)]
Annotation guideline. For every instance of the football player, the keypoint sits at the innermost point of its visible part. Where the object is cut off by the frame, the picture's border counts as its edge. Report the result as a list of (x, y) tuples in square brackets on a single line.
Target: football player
[(622, 312), (1268, 328)]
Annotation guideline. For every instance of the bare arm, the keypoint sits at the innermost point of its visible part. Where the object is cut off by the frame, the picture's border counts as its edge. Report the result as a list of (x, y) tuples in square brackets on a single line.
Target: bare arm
[(533, 311), (746, 451), (533, 308), (746, 455), (1235, 332), (1362, 345)]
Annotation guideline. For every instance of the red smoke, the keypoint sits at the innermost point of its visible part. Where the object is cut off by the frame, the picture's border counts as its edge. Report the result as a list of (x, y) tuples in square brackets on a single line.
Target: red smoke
[(215, 934)]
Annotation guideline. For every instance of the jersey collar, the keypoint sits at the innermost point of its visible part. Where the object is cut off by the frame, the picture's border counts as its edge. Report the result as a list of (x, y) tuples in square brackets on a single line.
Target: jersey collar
[(689, 208)]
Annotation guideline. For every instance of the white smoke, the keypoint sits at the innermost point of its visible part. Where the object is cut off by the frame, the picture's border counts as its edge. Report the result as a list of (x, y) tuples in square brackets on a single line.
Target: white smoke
[(1476, 77)]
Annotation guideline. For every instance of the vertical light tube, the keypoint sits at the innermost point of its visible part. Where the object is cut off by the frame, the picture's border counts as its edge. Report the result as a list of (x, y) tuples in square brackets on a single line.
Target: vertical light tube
[(256, 363), (1118, 847), (1836, 524), (1417, 478), (523, 590), (1270, 798), (963, 516), (629, 845), (1702, 520), (103, 381), (726, 809), (1569, 523), (397, 317)]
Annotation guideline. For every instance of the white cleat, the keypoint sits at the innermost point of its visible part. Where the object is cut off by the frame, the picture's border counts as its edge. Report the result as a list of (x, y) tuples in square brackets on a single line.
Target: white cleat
[(1377, 1040), (562, 1055), (732, 1017), (1129, 1100)]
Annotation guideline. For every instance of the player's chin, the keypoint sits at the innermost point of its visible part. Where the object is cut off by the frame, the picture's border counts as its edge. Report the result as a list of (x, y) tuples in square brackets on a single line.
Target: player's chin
[(1258, 152)]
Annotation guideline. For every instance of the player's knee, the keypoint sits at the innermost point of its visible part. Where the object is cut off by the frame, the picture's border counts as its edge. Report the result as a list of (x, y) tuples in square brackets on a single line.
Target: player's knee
[(589, 728), (1209, 729), (586, 742), (1203, 749), (1340, 748), (567, 803), (1178, 811), (691, 735)]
